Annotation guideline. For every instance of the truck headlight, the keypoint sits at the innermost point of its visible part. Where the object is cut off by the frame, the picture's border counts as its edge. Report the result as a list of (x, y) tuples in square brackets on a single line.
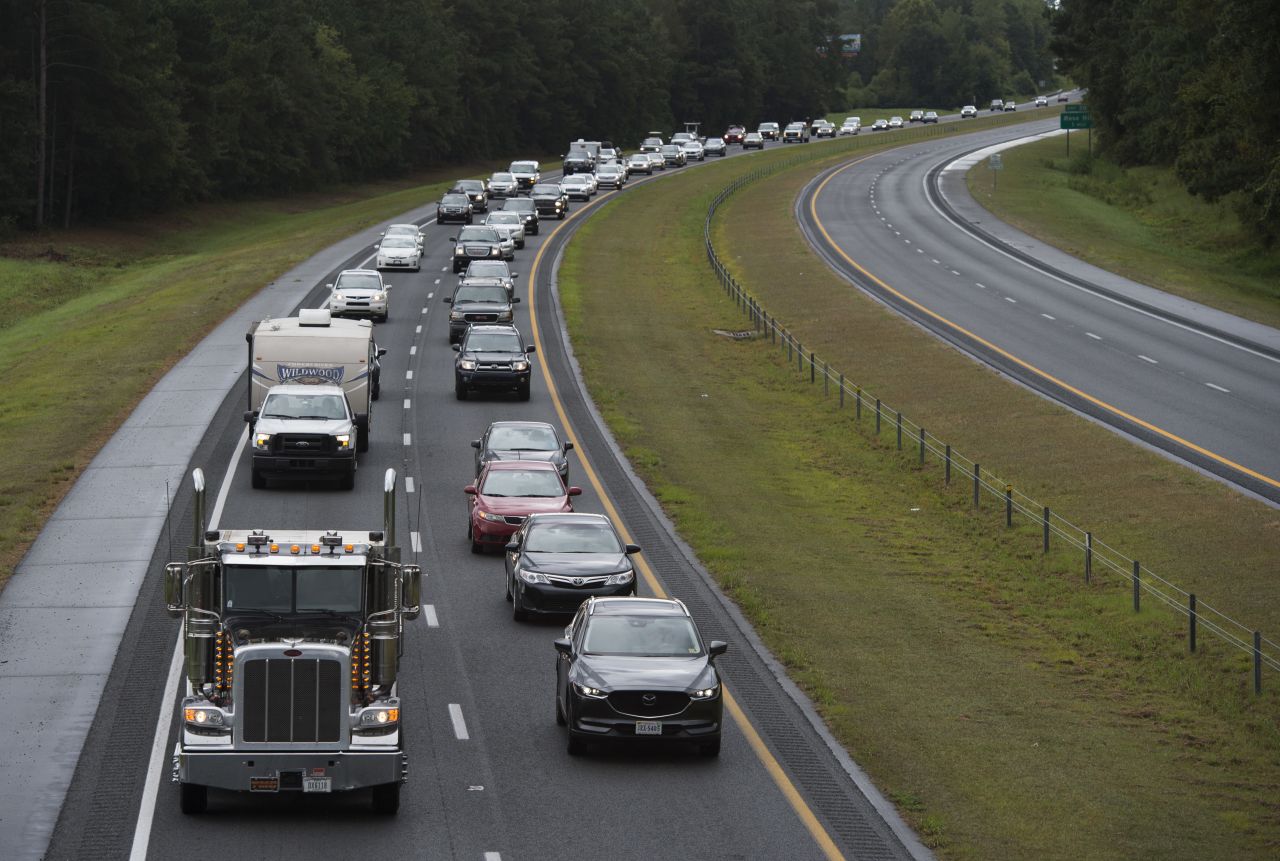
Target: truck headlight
[(520, 366), (456, 315), (203, 716), (262, 441), (379, 716), (343, 440), (494, 252), (459, 251), (467, 364)]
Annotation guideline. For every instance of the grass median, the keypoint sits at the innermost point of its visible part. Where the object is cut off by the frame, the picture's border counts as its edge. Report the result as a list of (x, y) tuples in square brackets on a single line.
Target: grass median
[(1008, 709), (95, 316), (1138, 222)]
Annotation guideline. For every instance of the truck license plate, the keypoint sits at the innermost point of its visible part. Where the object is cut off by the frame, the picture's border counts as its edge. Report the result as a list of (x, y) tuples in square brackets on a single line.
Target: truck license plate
[(648, 727), (317, 784)]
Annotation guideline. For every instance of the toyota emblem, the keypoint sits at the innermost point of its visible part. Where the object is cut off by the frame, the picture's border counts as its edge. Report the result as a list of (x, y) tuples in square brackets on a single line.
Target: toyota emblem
[(577, 581)]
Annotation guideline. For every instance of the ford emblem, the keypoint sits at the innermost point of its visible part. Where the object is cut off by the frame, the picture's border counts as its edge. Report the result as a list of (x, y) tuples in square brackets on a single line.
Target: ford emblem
[(303, 444)]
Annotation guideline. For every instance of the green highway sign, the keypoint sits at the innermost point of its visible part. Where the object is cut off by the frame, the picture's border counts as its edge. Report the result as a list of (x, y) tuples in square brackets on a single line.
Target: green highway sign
[(1077, 109), (1075, 121)]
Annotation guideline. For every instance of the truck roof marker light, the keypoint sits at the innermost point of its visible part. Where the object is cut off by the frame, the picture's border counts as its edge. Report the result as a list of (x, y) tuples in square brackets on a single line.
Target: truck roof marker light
[(315, 548), (275, 548), (350, 548), (294, 549)]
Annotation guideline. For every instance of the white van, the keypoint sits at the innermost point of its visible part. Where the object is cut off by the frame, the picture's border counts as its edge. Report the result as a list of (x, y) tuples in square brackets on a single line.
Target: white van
[(314, 348)]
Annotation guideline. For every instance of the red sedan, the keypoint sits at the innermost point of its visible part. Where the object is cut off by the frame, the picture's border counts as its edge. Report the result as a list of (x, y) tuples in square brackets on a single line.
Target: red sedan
[(507, 492), (734, 135)]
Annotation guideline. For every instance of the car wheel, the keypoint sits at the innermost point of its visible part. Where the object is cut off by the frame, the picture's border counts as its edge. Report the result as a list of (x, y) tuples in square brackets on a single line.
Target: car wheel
[(476, 546), (194, 798), (522, 391), (384, 318), (709, 749), (560, 215), (386, 799), (560, 721), (460, 390), (518, 612), (258, 481), (507, 584)]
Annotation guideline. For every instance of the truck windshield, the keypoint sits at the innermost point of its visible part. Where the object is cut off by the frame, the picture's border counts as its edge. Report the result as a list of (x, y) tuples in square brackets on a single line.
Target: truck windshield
[(292, 589)]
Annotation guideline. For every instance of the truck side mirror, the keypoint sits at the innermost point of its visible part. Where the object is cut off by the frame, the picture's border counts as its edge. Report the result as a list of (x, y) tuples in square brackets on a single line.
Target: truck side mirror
[(411, 591), (173, 601), (251, 416), (531, 349), (515, 300), (475, 443), (448, 300), (382, 351)]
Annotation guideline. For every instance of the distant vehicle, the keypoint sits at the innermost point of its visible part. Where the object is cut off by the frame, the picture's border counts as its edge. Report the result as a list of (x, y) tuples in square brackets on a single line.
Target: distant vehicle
[(656, 161), (527, 210), (503, 185), (930, 117), (556, 561), (509, 223), (1010, 105), (611, 175), (492, 357), (734, 134), (476, 190), (637, 670), (753, 140), (489, 273), (550, 199), (412, 230), (715, 146), (399, 252), (1063, 97), (916, 117), (476, 243), (968, 112), (824, 129), (895, 122), (522, 440), (577, 160), (693, 150), (1042, 102), (576, 187), (506, 493), (997, 104), (880, 125), (639, 163), (769, 131), (454, 207), (681, 137), (795, 133), (651, 144), (851, 126), (316, 347), (359, 293), (474, 302), (673, 155), (527, 173), (305, 431)]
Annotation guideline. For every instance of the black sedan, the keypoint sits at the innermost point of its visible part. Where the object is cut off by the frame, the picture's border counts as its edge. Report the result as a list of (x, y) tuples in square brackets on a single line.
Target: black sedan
[(556, 561), (522, 441), (636, 670)]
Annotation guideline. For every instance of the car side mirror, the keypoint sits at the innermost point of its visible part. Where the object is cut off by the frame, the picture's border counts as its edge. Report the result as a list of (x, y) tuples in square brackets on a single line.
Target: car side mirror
[(382, 351), (716, 648), (457, 348), (568, 446), (515, 300), (632, 549), (515, 275), (469, 490), (575, 491), (531, 349), (453, 239), (563, 646), (328, 286), (251, 416), (448, 300), (475, 443)]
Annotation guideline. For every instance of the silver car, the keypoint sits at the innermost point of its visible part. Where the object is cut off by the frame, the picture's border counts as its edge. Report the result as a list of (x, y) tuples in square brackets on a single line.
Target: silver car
[(399, 252), (576, 186), (693, 150), (404, 230), (503, 184), (360, 293), (510, 223)]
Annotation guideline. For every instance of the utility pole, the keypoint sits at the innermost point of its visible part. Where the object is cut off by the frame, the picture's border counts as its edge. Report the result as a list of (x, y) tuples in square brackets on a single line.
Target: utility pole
[(43, 97)]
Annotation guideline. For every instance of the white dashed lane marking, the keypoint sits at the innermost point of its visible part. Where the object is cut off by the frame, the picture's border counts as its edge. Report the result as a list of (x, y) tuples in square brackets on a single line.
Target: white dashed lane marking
[(429, 611), (408, 484), (1218, 388), (1008, 299), (413, 351), (1147, 359), (408, 375), (1093, 336), (408, 440), (415, 539), (1048, 316), (459, 725), (407, 403)]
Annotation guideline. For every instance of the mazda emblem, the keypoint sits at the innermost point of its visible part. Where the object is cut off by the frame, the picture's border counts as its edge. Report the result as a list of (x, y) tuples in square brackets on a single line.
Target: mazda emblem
[(649, 699)]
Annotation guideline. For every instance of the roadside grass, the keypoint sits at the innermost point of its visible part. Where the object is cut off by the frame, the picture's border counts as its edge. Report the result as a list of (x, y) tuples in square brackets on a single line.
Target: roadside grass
[(94, 316), (1138, 222), (1008, 709)]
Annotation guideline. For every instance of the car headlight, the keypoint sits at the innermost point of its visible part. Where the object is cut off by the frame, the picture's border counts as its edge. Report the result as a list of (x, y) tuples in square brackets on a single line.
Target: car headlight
[(620, 579), (459, 251), (380, 297), (203, 716), (378, 716), (705, 693), (506, 316), (343, 440), (520, 366), (491, 517), (494, 252), (532, 576), (262, 441), (467, 364), (588, 691), (456, 315)]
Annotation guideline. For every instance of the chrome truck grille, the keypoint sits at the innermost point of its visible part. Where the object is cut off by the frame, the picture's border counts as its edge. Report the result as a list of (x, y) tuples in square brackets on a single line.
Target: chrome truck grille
[(292, 700)]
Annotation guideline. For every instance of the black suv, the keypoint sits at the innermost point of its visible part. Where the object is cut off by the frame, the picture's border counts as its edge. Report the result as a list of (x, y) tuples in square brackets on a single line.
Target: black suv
[(492, 357), (528, 211), (476, 191), (578, 161), (479, 303), (475, 243), (454, 207), (550, 199)]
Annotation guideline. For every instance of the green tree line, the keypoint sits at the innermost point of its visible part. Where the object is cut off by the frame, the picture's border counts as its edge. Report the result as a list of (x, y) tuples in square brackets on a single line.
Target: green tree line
[(111, 108), (1185, 83)]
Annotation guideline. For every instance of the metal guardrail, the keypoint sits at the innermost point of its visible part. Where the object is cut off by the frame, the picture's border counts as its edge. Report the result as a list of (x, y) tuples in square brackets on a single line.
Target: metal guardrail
[(1098, 557)]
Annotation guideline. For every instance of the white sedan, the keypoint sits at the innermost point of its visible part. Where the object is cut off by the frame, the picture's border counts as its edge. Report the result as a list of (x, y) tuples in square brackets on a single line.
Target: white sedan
[(399, 252)]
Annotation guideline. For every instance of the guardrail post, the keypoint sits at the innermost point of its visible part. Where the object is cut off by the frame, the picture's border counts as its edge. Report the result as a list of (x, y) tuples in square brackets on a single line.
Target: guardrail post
[(1088, 556), (1191, 622), (948, 472), (877, 417), (841, 391), (857, 403), (922, 446), (977, 478), (813, 367), (788, 349), (1137, 586), (1046, 529), (1008, 505), (1257, 662), (899, 412), (826, 379)]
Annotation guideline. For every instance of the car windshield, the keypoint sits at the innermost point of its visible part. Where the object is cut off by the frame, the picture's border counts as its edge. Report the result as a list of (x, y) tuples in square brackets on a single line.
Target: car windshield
[(575, 180), (501, 177), (454, 200), (279, 405), (292, 589), (541, 483), (653, 141), (523, 167), (523, 438), (645, 636), (488, 269), (469, 185), (358, 281), (400, 241), (519, 205), (477, 234), (480, 294), (546, 188), (493, 342), (572, 538), (503, 218)]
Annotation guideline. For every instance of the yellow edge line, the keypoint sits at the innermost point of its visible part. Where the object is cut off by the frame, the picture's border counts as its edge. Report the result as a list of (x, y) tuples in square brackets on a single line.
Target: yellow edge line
[(813, 211), (771, 764)]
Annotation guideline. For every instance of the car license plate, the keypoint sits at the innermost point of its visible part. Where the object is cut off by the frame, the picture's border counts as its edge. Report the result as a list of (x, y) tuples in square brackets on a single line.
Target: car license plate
[(317, 784), (648, 727)]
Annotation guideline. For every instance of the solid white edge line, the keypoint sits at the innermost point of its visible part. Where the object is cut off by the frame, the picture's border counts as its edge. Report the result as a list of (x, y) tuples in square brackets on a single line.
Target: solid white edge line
[(429, 610), (155, 765), (493, 856), (459, 725)]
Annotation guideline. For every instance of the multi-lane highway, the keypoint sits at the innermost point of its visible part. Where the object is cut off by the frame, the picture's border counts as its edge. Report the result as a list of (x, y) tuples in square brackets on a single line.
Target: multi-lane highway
[(1195, 382), (489, 774)]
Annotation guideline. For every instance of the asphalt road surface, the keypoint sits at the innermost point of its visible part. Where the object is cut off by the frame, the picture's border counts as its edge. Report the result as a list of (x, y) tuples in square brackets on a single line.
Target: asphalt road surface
[(489, 776), (1194, 382)]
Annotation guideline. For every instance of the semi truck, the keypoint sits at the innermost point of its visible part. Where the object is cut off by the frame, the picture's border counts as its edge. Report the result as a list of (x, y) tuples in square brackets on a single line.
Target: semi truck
[(291, 642)]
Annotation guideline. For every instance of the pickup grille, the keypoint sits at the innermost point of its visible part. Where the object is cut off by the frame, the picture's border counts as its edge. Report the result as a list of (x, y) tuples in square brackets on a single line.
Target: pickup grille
[(292, 700), (479, 250), (303, 443), (486, 317)]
